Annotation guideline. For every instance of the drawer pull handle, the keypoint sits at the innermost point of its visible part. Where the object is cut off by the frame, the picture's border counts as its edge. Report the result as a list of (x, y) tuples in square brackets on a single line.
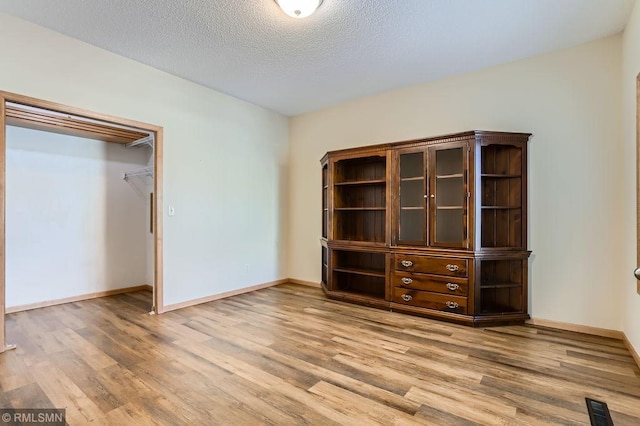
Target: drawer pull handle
[(406, 297), (451, 305), (452, 268), (406, 263), (406, 281), (452, 286)]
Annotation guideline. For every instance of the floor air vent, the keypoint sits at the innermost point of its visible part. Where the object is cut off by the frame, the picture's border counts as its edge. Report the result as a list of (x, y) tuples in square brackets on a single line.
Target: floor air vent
[(598, 413)]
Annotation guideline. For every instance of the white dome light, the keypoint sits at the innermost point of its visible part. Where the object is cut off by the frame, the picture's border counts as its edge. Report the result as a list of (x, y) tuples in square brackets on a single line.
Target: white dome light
[(299, 8)]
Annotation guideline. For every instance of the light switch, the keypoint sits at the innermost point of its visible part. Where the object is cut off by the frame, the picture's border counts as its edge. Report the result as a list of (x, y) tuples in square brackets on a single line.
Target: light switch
[(172, 211)]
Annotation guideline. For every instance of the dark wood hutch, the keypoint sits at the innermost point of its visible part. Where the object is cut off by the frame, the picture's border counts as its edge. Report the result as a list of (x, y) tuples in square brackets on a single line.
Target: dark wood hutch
[(434, 227)]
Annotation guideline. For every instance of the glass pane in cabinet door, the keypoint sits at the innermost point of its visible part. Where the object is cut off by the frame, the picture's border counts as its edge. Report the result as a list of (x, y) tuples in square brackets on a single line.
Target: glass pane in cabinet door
[(450, 196), (449, 161), (450, 192), (412, 204), (412, 225), (411, 165), (412, 193), (449, 226)]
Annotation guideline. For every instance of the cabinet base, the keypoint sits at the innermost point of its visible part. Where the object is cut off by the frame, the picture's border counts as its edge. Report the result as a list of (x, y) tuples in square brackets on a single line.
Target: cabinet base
[(468, 320)]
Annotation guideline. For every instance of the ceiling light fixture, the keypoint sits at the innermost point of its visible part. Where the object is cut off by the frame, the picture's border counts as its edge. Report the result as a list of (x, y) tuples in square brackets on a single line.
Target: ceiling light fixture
[(299, 8)]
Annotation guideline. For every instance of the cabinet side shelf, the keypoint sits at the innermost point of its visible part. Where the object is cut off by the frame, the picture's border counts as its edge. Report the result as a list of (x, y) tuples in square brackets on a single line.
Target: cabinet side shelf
[(358, 271), (500, 207), (359, 209), (453, 176), (500, 285), (499, 175), (361, 182)]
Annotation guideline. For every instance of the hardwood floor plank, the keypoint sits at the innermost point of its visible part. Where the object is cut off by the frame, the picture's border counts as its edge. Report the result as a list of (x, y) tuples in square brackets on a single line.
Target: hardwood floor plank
[(433, 416), (29, 396), (14, 373), (93, 356), (286, 355), (112, 345), (30, 327), (63, 392), (84, 377), (356, 406), (485, 410), (625, 362)]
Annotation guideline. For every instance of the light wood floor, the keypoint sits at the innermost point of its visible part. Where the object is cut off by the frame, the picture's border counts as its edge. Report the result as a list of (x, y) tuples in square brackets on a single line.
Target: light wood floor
[(287, 355)]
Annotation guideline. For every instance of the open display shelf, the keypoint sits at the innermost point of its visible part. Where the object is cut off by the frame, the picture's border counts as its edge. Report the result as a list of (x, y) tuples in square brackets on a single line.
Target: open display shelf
[(502, 191), (359, 203), (359, 272)]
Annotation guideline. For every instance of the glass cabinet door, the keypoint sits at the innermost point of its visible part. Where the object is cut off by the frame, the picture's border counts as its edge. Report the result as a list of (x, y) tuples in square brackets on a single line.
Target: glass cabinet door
[(448, 196), (412, 217)]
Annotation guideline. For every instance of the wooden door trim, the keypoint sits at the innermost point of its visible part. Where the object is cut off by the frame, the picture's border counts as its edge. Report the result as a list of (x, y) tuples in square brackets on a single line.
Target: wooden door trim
[(5, 97), (638, 178), (3, 133)]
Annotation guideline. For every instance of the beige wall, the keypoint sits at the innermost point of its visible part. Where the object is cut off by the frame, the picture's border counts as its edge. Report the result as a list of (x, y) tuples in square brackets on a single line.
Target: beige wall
[(570, 101), (224, 159), (630, 301)]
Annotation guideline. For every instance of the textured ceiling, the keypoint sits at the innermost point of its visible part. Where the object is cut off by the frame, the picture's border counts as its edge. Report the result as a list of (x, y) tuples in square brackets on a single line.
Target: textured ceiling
[(347, 49)]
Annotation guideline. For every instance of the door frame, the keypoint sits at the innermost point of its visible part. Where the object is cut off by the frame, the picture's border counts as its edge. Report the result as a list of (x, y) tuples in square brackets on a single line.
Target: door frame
[(638, 178), (157, 131)]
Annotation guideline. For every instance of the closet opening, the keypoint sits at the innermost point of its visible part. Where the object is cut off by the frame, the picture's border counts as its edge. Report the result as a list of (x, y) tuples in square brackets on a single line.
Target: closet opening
[(80, 207)]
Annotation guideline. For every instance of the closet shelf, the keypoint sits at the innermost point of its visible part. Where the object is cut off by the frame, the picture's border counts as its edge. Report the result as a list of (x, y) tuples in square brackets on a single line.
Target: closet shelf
[(146, 141), (145, 171), (38, 119)]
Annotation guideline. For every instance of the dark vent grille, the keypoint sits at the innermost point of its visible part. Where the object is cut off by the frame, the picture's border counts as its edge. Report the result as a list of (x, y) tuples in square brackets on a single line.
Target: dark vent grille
[(598, 413)]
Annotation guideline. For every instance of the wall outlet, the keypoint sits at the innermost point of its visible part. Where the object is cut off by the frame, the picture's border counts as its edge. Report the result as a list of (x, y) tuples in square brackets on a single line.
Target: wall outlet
[(172, 211), (246, 268)]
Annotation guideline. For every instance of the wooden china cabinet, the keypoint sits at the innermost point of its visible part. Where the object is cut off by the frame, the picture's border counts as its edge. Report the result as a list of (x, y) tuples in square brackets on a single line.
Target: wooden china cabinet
[(434, 227)]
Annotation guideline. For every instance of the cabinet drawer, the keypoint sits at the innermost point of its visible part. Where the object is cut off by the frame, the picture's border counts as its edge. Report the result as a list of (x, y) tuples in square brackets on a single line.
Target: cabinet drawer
[(429, 300), (438, 284), (431, 265)]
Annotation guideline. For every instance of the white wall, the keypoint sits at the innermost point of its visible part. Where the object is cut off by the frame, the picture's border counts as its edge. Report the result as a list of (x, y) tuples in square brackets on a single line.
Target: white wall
[(630, 300), (224, 159), (74, 226), (570, 101)]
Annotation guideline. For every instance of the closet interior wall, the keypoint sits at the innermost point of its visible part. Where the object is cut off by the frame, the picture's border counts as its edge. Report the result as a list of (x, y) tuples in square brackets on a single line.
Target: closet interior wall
[(74, 226)]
